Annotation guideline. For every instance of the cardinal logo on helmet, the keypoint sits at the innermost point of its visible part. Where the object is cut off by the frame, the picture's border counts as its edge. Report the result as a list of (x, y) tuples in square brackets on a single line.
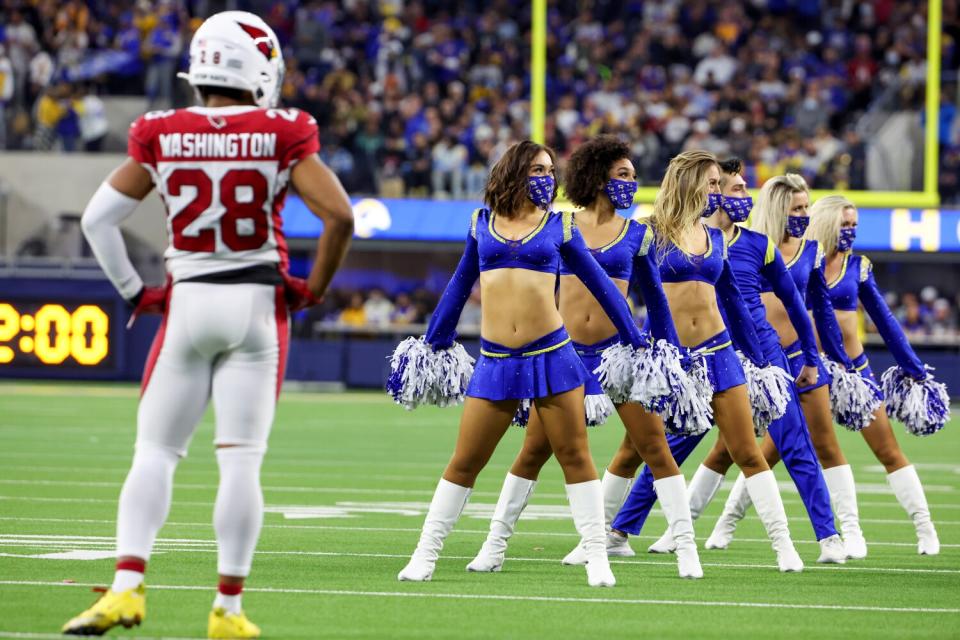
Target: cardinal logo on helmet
[(262, 39)]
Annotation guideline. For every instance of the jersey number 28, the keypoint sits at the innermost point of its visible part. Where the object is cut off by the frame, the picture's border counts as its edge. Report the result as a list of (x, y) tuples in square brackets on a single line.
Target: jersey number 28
[(244, 226)]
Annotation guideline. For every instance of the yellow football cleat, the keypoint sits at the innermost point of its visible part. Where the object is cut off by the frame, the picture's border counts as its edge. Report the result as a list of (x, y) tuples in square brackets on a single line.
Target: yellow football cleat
[(128, 608), (230, 625)]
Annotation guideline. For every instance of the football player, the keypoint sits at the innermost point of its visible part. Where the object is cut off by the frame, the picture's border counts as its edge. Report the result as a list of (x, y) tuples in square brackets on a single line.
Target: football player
[(222, 170)]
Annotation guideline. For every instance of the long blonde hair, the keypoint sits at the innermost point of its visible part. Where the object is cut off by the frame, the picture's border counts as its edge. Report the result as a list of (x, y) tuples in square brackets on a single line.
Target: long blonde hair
[(770, 212), (682, 196), (826, 215)]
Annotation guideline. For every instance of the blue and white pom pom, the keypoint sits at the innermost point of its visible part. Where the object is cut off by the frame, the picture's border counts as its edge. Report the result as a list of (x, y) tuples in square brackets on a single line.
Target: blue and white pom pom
[(522, 416), (615, 372), (689, 410), (420, 375), (769, 391), (654, 377), (853, 398), (923, 406), (597, 408)]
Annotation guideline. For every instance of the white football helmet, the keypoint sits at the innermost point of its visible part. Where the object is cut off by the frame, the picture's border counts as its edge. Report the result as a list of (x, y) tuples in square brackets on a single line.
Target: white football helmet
[(237, 49)]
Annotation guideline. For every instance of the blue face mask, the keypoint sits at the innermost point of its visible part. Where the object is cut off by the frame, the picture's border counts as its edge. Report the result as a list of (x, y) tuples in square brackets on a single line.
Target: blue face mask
[(540, 190), (621, 192), (797, 225), (847, 236), (738, 209), (714, 201)]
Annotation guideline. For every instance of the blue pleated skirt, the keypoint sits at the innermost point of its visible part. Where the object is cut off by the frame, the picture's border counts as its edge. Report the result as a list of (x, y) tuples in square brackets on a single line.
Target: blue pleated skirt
[(723, 365), (795, 356), (545, 367), (590, 354)]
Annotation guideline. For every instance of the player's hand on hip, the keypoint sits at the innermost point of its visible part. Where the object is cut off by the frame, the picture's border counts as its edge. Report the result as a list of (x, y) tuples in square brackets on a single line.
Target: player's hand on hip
[(150, 300), (808, 376), (298, 294)]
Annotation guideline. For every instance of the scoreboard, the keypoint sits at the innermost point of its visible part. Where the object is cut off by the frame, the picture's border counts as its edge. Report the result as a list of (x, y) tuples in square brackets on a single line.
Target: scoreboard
[(69, 328)]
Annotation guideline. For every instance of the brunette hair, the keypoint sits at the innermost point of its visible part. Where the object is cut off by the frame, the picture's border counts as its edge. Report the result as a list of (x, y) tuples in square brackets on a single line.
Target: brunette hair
[(506, 189), (589, 168)]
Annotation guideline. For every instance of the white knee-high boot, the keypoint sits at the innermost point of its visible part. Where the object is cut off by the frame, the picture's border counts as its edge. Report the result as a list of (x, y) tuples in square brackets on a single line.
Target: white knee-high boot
[(733, 511), (586, 505), (765, 495), (906, 486), (448, 502), (615, 489), (702, 488), (843, 493), (512, 501), (672, 494)]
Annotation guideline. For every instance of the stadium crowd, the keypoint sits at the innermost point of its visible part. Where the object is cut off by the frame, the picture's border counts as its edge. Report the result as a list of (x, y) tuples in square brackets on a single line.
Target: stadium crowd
[(421, 97), (927, 313)]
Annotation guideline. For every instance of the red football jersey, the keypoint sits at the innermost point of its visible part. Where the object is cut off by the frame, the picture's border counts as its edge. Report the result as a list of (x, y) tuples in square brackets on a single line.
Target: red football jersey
[(222, 174)]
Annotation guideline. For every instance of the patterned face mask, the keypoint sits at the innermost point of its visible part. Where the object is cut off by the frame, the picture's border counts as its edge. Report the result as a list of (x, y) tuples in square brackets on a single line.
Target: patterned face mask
[(738, 209), (540, 190), (847, 236), (621, 192), (714, 201), (797, 225)]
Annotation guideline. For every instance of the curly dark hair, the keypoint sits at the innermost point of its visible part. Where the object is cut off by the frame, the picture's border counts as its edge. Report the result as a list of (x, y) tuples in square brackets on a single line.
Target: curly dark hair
[(506, 190), (589, 167)]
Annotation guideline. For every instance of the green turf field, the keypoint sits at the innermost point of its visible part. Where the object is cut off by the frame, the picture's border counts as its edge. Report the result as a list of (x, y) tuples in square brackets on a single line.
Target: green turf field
[(346, 483)]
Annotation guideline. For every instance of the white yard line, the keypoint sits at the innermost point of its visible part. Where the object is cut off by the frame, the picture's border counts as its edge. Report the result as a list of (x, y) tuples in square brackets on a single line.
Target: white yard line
[(517, 598), (197, 545), (320, 527)]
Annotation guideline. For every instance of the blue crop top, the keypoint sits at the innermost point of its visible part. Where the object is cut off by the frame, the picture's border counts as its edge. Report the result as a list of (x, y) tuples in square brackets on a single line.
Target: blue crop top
[(678, 266), (537, 251), (628, 257), (856, 281), (714, 268), (756, 261), (806, 269), (555, 238)]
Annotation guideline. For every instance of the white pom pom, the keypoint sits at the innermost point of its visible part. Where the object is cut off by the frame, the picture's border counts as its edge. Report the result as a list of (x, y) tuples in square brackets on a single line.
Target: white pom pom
[(923, 406), (769, 391), (615, 372), (598, 407), (420, 375), (686, 408), (853, 398)]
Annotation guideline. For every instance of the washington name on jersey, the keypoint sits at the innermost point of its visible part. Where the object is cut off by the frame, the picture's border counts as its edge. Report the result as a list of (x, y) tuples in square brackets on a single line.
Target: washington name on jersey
[(222, 174), (218, 145)]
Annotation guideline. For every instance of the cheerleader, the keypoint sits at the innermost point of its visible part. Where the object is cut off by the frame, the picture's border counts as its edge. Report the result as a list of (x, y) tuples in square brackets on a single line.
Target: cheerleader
[(782, 215), (601, 179), (696, 275), (754, 259), (911, 394), (514, 248)]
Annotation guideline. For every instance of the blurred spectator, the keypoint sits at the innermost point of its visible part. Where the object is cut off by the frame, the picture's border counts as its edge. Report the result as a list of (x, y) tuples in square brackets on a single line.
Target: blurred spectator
[(93, 120), (6, 93), (160, 49), (404, 311), (354, 315), (377, 309)]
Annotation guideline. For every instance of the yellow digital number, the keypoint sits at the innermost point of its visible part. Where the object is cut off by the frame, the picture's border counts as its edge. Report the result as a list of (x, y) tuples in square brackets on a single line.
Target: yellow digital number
[(56, 349), (94, 317), (9, 328)]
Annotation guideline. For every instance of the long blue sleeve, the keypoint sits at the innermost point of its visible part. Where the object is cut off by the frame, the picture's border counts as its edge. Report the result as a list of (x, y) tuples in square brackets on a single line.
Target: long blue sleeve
[(776, 273), (442, 330), (737, 316), (887, 325), (824, 316), (577, 256), (646, 274)]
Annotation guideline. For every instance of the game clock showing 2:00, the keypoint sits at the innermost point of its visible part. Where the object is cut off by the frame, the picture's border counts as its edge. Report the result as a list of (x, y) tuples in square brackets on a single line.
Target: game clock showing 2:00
[(51, 334)]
